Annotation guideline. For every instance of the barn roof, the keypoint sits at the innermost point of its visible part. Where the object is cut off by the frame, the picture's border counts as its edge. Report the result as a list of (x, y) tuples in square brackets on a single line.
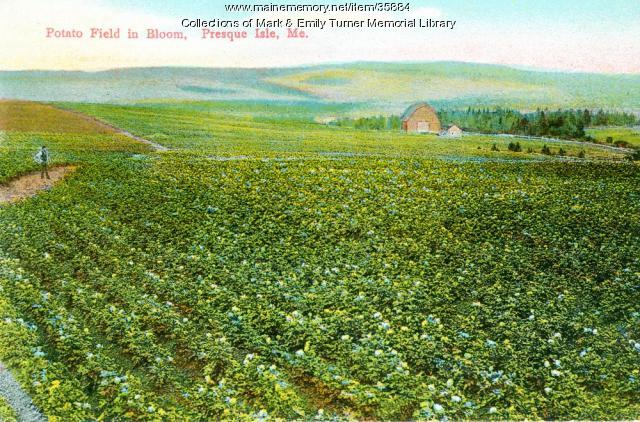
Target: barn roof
[(412, 109)]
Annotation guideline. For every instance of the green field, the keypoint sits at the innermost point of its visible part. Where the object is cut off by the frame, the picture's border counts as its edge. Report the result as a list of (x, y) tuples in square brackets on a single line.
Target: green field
[(627, 134), (269, 266), (276, 130)]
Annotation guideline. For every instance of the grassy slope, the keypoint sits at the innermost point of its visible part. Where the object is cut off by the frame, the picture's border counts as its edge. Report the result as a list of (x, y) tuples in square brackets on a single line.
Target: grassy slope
[(630, 135)]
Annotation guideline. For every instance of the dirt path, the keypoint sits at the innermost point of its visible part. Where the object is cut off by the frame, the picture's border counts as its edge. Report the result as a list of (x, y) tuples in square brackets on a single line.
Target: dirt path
[(116, 129), (17, 398), (30, 184)]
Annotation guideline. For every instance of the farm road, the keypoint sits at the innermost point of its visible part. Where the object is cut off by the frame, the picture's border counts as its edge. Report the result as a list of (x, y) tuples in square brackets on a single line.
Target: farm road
[(156, 146)]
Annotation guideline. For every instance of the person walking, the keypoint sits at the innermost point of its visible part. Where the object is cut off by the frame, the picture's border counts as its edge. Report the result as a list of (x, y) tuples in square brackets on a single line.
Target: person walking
[(43, 157)]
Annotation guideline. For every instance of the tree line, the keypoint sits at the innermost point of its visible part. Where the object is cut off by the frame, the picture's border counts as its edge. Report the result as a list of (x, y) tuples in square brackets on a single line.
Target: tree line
[(567, 124), (370, 123)]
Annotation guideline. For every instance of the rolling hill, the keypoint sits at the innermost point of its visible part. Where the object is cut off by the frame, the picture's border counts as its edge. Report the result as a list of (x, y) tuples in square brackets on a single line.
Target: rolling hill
[(379, 87)]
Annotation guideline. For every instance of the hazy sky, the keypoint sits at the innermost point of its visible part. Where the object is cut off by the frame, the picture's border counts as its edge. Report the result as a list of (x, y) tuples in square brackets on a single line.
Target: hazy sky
[(570, 35)]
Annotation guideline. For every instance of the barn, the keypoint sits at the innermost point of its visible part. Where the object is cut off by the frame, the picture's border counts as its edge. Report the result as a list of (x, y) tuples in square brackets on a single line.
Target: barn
[(421, 118)]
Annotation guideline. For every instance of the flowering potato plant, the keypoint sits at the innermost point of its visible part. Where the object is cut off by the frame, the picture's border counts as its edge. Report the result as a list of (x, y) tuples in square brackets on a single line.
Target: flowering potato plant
[(182, 286)]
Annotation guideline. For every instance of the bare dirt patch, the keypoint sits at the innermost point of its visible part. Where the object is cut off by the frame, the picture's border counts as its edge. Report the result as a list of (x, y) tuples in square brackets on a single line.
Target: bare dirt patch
[(30, 184)]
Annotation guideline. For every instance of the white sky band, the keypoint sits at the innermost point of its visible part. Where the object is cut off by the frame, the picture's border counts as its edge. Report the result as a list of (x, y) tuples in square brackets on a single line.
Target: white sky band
[(567, 35)]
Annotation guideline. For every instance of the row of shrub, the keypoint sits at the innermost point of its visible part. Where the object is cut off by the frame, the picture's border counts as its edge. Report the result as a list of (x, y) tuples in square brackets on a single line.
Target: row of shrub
[(618, 142), (516, 147)]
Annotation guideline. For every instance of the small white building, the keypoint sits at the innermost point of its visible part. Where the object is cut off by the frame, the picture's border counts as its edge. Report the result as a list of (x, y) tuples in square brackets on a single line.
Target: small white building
[(452, 131)]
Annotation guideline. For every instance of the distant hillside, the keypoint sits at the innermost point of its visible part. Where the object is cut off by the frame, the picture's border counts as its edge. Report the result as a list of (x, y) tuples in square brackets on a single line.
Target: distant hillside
[(381, 87), (463, 84), (132, 84)]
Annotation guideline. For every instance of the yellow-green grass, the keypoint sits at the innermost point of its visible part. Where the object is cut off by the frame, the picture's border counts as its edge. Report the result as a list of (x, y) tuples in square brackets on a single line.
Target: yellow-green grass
[(20, 116), (346, 84), (627, 134)]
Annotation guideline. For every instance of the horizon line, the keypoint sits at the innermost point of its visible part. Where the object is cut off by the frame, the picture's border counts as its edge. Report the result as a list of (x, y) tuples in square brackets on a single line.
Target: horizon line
[(339, 63)]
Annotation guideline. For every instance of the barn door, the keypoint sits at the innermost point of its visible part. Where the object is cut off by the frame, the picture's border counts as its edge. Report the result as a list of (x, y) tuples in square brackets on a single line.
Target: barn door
[(423, 126)]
